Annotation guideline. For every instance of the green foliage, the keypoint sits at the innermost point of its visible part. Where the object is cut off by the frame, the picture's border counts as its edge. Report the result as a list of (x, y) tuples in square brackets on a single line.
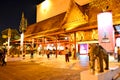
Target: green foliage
[(14, 35)]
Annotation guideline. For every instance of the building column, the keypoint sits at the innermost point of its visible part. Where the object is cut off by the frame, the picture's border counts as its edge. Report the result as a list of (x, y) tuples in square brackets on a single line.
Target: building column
[(56, 46), (74, 45)]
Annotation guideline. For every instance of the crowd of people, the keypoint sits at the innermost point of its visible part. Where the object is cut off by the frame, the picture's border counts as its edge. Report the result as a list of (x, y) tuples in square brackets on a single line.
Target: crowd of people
[(67, 52), (3, 51)]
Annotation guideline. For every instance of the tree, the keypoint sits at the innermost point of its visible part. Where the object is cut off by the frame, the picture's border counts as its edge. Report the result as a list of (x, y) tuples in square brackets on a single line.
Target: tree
[(14, 34)]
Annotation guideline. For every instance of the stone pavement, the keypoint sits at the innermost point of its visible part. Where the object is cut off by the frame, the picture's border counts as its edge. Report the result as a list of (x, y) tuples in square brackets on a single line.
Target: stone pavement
[(58, 62), (41, 68)]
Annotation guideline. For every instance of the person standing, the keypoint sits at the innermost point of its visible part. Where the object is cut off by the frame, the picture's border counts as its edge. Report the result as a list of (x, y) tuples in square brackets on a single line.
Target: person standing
[(31, 51), (66, 51), (118, 51), (4, 55)]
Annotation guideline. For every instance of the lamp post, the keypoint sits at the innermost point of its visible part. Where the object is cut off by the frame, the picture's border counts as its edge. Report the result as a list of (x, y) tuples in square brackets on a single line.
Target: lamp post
[(9, 36), (22, 27)]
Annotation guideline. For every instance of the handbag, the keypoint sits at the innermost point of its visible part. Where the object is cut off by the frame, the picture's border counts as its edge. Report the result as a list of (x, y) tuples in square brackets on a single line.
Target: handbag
[(69, 54)]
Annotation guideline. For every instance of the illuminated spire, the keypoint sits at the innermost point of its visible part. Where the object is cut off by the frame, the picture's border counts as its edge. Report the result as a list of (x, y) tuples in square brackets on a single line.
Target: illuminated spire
[(23, 23)]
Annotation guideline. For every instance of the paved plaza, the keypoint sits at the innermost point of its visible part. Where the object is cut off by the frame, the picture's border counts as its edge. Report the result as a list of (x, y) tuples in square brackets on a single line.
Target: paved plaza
[(41, 68)]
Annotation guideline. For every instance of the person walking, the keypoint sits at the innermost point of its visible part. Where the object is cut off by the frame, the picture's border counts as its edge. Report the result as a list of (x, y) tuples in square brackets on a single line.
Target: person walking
[(48, 53), (66, 51)]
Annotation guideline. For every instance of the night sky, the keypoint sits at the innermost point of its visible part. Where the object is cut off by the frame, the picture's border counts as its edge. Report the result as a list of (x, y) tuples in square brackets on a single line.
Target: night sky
[(11, 11)]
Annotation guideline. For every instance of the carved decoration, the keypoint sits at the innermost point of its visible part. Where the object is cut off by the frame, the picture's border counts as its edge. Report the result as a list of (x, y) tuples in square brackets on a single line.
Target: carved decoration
[(71, 38), (87, 35), (94, 34), (80, 36)]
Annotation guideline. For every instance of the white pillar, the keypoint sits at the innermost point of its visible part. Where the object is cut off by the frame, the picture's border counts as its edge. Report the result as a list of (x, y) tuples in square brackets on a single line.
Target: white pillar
[(8, 49), (22, 42), (9, 36)]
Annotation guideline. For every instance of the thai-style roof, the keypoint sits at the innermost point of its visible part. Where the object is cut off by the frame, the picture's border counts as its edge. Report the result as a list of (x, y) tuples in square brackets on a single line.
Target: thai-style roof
[(76, 18), (48, 25), (60, 23)]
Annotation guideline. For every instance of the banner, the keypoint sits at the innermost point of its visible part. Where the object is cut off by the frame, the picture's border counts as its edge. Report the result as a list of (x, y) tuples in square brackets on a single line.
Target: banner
[(106, 31)]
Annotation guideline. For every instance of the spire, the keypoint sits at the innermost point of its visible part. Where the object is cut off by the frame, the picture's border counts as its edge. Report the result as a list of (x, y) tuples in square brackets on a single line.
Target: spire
[(22, 14), (23, 23)]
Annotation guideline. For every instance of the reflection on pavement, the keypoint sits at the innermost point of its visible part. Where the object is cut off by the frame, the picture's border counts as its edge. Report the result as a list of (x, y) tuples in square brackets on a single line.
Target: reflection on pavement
[(58, 62), (84, 60)]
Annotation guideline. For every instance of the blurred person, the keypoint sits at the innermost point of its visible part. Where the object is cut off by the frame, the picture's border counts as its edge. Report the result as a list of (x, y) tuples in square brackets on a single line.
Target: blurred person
[(115, 52), (73, 53), (118, 51), (4, 55), (39, 50), (48, 53), (24, 52), (18, 51), (66, 51), (53, 51), (31, 51)]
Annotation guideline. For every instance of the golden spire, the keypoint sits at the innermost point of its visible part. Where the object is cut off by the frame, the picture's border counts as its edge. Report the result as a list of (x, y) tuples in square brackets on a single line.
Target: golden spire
[(23, 23)]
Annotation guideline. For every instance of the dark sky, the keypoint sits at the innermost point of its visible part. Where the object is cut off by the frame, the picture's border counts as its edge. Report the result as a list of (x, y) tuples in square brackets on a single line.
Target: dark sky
[(11, 11)]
